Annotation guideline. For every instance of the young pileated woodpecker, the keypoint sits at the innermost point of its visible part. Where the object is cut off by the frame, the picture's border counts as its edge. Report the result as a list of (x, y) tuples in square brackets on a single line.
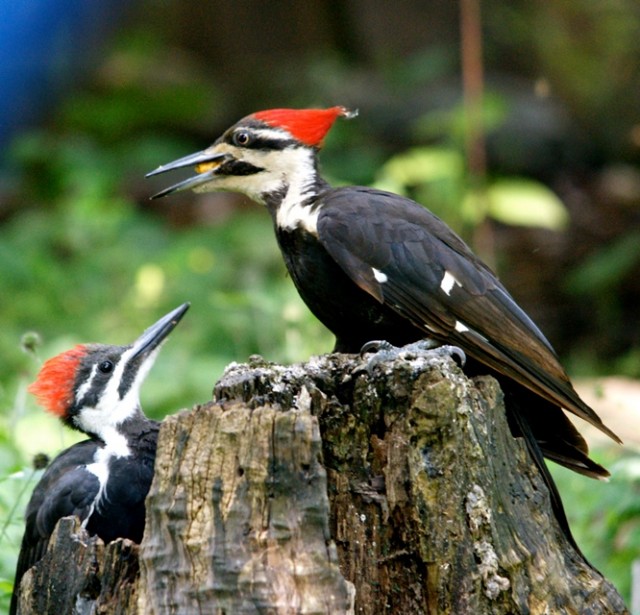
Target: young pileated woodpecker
[(372, 265), (104, 480)]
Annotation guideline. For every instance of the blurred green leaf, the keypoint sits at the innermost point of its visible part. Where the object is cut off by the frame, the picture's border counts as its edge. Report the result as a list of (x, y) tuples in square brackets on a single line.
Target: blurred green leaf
[(422, 165), (524, 202)]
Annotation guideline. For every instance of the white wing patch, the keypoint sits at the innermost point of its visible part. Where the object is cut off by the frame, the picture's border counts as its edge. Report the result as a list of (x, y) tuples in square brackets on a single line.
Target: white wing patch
[(448, 282), (379, 275), (462, 328)]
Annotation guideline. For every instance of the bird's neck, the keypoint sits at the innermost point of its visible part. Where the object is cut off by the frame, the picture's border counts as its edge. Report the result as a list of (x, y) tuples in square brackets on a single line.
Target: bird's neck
[(118, 437), (116, 444), (294, 203), (138, 423)]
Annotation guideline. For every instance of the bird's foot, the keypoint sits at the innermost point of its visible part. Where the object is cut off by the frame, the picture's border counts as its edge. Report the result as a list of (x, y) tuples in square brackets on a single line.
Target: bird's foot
[(384, 351)]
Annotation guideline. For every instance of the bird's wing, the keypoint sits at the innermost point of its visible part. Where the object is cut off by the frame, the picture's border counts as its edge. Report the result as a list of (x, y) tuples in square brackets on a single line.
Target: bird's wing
[(73, 494), (65, 488), (407, 258)]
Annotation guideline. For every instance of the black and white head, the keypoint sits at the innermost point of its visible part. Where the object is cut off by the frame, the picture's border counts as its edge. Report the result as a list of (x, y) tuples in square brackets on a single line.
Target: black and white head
[(95, 387), (270, 156)]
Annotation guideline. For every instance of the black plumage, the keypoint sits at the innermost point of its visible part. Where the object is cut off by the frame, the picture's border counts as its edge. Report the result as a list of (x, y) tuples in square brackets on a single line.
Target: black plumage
[(67, 488), (360, 230)]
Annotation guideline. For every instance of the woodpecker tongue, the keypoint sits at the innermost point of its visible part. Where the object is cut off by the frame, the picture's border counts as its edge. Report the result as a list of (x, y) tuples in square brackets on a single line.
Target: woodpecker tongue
[(156, 333), (205, 163)]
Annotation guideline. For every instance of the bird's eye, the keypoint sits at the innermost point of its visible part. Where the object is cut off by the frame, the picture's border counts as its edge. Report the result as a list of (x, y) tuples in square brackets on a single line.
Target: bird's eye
[(242, 138), (105, 367)]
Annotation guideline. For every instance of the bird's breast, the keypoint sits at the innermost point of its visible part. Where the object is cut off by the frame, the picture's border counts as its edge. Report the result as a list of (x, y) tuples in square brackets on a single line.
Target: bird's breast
[(351, 314)]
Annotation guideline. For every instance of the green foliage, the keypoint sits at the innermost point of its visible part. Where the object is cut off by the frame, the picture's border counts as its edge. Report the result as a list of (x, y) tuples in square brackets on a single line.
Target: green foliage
[(83, 262), (602, 280), (453, 124), (605, 517), (523, 202), (436, 175), (603, 272)]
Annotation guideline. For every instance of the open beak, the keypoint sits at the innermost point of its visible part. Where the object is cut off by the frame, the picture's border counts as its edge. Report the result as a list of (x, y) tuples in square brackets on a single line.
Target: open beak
[(151, 339), (205, 162)]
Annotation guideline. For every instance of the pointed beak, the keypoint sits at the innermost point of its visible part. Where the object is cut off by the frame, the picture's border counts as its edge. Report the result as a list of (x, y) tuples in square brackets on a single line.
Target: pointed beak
[(151, 339), (206, 163)]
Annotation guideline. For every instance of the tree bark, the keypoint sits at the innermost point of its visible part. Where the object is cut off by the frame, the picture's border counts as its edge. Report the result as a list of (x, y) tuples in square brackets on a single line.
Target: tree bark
[(336, 486), (79, 571)]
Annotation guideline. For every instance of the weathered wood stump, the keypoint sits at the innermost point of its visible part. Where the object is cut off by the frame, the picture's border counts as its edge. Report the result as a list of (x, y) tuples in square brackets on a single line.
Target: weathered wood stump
[(335, 487)]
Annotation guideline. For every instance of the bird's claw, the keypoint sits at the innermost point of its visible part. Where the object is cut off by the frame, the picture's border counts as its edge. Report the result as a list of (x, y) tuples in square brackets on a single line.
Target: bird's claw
[(454, 352), (384, 351), (376, 346)]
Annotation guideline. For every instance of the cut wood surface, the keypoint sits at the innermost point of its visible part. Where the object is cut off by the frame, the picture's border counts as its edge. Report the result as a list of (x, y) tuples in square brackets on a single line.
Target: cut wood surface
[(334, 486)]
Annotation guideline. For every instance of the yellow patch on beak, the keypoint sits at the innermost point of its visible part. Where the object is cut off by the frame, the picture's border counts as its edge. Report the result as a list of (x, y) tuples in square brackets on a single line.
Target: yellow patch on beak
[(203, 167)]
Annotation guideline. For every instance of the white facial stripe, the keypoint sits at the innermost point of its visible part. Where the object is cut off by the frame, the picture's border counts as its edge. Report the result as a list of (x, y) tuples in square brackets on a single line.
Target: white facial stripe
[(461, 327), (379, 275), (295, 167), (84, 388), (111, 411), (448, 282), (271, 134), (110, 397)]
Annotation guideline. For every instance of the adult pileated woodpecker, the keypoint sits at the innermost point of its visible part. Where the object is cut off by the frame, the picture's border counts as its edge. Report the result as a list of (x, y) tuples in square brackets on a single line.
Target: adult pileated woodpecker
[(104, 480), (372, 265)]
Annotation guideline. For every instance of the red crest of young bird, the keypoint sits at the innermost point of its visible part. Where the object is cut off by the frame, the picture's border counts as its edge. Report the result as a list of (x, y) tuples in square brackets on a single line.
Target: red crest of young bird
[(103, 480), (373, 265), (54, 386)]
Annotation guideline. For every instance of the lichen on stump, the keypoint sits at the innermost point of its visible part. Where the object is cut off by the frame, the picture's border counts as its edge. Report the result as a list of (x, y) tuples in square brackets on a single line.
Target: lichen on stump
[(335, 486)]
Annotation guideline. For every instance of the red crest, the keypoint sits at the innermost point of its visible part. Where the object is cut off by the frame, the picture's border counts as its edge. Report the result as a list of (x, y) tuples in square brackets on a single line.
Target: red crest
[(308, 126), (53, 387)]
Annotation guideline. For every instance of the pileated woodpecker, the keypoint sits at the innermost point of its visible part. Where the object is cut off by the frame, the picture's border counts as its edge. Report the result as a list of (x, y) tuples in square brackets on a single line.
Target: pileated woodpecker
[(372, 265), (104, 480)]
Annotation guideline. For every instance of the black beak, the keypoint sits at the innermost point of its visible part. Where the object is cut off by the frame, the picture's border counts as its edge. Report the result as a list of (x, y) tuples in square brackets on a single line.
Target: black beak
[(157, 333), (190, 161)]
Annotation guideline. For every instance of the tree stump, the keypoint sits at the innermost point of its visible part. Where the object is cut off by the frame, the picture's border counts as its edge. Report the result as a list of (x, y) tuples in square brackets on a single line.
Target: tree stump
[(336, 486), (79, 571)]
